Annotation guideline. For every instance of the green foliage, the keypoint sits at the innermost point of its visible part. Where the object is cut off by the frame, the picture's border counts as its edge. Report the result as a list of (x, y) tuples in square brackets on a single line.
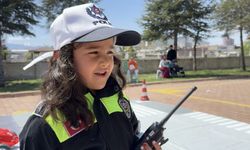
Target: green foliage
[(130, 50), (4, 54), (166, 19), (231, 14), (18, 16), (28, 56), (54, 7), (234, 14), (163, 19), (200, 13), (3, 46), (247, 48)]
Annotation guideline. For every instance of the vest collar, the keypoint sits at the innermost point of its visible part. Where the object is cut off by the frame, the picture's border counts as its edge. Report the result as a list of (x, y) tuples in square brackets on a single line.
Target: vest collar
[(112, 87)]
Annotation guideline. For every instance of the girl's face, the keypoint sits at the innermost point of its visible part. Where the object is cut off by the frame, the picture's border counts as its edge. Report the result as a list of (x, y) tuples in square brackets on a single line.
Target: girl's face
[(94, 62)]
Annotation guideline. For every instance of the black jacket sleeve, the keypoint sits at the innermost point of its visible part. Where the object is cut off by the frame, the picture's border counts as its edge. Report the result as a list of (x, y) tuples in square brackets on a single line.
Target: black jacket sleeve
[(135, 123), (37, 135)]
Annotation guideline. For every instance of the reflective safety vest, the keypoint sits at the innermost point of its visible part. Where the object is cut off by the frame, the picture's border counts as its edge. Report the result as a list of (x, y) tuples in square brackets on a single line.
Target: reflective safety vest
[(111, 103), (50, 134)]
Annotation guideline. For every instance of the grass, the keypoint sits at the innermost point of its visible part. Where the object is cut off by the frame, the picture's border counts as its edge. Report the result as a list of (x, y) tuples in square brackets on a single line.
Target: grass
[(226, 73), (21, 85), (218, 73), (27, 85)]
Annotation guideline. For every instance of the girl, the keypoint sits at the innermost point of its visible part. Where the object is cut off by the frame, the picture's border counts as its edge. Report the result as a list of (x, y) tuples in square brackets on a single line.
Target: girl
[(84, 107)]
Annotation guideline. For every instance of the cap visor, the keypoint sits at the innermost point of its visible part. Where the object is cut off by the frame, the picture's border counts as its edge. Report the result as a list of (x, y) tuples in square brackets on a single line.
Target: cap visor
[(38, 59), (124, 37)]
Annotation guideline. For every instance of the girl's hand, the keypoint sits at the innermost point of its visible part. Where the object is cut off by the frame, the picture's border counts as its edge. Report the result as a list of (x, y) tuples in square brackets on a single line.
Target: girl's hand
[(156, 145)]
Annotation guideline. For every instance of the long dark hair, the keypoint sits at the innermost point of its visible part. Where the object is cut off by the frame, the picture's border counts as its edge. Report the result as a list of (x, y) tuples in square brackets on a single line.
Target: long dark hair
[(63, 92)]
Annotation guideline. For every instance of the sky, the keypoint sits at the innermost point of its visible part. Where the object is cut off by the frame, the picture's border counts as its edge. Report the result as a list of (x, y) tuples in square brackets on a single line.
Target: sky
[(122, 14)]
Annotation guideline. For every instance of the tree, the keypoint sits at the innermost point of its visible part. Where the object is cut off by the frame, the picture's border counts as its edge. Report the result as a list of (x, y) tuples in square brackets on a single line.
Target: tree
[(234, 14), (54, 7), (4, 50), (199, 25), (16, 17), (165, 19), (247, 47)]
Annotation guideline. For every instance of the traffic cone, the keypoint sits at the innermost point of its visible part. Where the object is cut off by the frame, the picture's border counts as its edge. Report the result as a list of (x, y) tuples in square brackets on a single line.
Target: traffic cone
[(144, 96)]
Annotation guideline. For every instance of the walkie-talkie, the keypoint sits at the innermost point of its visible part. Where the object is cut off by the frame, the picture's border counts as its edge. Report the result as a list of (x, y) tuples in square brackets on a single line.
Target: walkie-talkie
[(155, 131)]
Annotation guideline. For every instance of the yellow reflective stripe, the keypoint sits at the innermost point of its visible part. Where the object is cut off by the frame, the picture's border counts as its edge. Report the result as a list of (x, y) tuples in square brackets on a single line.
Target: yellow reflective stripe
[(90, 102), (58, 128), (111, 104)]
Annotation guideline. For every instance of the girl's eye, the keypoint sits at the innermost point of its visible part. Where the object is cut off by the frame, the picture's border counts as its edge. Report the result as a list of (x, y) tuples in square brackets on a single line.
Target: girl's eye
[(110, 52), (93, 52)]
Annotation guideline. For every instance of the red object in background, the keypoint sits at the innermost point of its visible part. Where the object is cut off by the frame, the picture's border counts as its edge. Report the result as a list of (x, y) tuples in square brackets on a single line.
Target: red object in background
[(165, 72), (8, 138), (144, 96)]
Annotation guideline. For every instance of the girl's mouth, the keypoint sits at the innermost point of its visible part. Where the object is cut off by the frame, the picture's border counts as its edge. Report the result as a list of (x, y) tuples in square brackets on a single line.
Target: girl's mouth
[(101, 74)]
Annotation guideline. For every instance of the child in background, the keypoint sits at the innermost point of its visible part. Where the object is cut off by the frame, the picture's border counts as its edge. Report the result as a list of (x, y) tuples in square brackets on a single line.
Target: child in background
[(163, 69), (83, 105), (132, 73)]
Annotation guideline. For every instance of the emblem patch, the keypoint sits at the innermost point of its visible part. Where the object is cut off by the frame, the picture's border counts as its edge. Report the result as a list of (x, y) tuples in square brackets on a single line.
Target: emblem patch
[(124, 104), (73, 131), (96, 12)]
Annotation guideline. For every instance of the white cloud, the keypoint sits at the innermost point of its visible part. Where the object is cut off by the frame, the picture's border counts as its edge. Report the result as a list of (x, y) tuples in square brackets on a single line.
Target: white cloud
[(17, 39), (29, 40)]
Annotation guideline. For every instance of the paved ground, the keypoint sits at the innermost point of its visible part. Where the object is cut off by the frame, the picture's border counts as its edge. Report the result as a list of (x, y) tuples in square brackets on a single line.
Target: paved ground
[(188, 130), (217, 115), (18, 105), (228, 98)]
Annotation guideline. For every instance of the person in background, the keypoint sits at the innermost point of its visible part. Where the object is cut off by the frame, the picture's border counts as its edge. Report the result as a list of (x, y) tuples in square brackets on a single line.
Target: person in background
[(163, 64), (83, 106), (172, 58), (133, 70), (164, 67), (171, 54)]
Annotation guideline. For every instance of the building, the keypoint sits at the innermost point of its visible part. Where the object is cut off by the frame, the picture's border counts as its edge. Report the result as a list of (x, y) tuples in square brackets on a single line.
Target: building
[(16, 55)]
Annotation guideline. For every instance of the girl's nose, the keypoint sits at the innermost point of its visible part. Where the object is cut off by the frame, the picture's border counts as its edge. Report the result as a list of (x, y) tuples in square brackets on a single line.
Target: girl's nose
[(105, 61)]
